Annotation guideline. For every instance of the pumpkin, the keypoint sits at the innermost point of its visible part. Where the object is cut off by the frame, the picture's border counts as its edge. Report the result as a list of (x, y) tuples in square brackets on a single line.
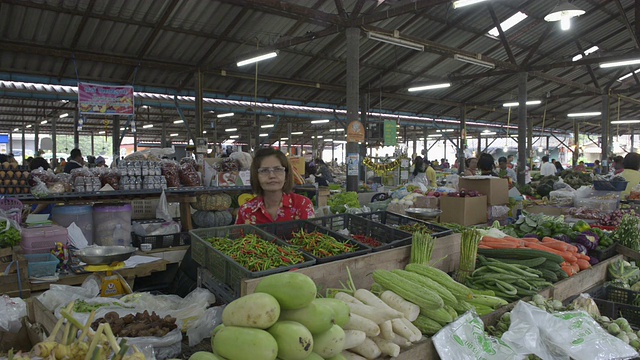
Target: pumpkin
[(205, 219), (212, 202)]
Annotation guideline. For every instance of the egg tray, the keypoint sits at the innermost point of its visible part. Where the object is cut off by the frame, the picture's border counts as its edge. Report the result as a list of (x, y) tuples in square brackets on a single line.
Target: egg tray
[(14, 190)]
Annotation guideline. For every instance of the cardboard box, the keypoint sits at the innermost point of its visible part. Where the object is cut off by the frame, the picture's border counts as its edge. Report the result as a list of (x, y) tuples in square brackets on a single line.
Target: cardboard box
[(323, 195), (496, 189), (464, 211)]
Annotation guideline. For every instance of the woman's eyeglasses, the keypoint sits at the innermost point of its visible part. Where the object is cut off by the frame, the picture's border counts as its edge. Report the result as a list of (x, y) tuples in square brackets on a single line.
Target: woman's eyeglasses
[(278, 170)]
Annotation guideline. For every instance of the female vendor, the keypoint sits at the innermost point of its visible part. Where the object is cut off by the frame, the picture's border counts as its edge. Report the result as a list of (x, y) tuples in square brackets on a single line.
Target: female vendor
[(272, 182)]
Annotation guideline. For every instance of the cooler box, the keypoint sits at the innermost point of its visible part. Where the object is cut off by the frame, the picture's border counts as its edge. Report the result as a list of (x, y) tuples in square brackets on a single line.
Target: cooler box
[(40, 240), (82, 215), (105, 218)]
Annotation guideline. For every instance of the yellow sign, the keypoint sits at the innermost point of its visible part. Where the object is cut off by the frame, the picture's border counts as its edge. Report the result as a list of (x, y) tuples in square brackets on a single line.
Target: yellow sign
[(355, 132), (297, 163)]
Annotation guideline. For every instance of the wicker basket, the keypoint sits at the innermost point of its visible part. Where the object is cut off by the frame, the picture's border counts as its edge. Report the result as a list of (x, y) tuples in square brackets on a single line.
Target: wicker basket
[(13, 208)]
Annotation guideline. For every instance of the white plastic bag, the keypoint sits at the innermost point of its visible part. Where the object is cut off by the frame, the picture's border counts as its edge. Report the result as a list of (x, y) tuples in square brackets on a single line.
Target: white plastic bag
[(204, 326), (166, 347), (561, 336), (465, 339), (11, 311), (62, 294), (162, 211)]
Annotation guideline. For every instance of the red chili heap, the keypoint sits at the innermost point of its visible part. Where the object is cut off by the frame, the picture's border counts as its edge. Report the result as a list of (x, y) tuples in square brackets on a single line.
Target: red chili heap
[(367, 240)]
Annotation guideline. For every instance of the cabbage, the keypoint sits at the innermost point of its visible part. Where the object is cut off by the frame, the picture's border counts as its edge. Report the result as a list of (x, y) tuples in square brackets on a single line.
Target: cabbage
[(589, 239)]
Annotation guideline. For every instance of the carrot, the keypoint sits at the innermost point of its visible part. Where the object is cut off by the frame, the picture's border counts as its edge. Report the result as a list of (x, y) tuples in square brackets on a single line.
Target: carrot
[(583, 264), (492, 240), (533, 240), (557, 246), (500, 245), (575, 267), (565, 255), (580, 256), (567, 269), (482, 246)]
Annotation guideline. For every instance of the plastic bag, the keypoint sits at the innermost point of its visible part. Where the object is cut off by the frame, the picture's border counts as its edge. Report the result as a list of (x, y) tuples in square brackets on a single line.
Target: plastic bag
[(563, 335), (166, 347), (189, 176), (562, 197), (465, 339), (244, 159), (150, 154), (11, 311), (62, 294), (39, 189), (155, 229), (170, 170), (204, 326), (162, 211)]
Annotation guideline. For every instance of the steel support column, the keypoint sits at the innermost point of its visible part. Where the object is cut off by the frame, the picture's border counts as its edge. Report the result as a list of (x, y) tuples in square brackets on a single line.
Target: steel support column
[(36, 138), (576, 143), (116, 137), (606, 130), (522, 127), (24, 156), (199, 115), (54, 148), (93, 149), (353, 95), (462, 143), (76, 134)]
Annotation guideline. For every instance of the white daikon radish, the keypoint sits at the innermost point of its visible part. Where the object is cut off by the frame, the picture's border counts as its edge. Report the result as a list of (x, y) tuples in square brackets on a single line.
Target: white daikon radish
[(370, 299), (374, 314), (352, 356), (386, 330), (357, 322), (347, 298), (368, 349), (417, 333), (353, 338), (401, 341), (387, 347), (401, 329), (395, 301)]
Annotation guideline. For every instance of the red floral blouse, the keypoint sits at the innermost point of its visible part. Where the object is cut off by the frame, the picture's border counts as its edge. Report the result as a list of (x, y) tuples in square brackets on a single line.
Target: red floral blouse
[(294, 207)]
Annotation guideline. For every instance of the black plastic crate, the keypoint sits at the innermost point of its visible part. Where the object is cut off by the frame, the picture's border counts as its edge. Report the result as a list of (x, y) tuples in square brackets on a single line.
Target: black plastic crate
[(614, 310), (395, 220), (161, 241), (224, 268), (357, 225), (614, 294), (224, 294), (285, 230), (604, 254)]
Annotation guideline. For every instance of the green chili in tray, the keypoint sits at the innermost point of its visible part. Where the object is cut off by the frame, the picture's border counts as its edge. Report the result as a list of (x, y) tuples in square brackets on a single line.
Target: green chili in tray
[(255, 254), (416, 227), (320, 245)]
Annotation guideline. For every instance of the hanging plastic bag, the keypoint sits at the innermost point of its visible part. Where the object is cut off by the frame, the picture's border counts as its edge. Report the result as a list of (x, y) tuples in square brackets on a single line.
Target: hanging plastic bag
[(11, 311), (162, 211), (562, 335)]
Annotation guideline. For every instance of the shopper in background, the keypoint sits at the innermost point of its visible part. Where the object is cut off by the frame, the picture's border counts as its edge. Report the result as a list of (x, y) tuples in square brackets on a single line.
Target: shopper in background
[(580, 167), (510, 159), (617, 167), (445, 164), (559, 168), (38, 162), (101, 162), (418, 166), (272, 182), (486, 164), (547, 168), (471, 166), (323, 173), (91, 161), (631, 165), (504, 171), (430, 174), (597, 168), (75, 161)]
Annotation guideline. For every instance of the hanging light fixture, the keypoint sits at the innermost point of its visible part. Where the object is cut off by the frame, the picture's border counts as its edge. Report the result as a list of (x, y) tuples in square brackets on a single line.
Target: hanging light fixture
[(563, 12)]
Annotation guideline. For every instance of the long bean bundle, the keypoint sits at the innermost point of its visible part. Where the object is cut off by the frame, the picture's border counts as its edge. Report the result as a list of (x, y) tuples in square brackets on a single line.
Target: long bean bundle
[(421, 247), (468, 251), (255, 254)]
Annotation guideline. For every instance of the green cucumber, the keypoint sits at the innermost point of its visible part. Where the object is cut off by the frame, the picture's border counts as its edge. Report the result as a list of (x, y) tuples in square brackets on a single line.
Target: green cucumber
[(531, 263)]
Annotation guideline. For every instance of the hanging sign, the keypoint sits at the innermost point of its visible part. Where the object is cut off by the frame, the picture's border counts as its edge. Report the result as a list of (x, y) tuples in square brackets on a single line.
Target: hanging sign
[(355, 132), (105, 100), (390, 133)]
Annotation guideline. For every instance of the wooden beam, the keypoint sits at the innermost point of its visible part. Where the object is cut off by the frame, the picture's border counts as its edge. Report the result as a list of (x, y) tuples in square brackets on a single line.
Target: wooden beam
[(503, 37)]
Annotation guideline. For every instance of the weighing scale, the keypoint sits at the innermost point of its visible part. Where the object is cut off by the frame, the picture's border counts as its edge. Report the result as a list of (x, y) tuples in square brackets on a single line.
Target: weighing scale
[(103, 261)]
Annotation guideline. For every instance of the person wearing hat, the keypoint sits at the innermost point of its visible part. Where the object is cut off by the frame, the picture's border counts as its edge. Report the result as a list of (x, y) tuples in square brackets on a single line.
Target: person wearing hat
[(101, 162)]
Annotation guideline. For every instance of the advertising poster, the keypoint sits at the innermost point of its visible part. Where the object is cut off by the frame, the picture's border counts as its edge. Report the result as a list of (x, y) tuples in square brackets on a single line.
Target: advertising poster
[(353, 161), (355, 132), (389, 133), (105, 100)]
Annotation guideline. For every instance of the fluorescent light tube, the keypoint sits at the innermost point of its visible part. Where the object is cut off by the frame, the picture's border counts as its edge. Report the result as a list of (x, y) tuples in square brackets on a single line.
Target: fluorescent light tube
[(395, 41), (593, 113), (43, 122), (231, 129), (283, 139), (320, 121), (488, 133), (340, 142), (147, 126), (474, 61), (626, 122), (258, 58), (434, 135), (530, 102), (620, 63), (178, 121), (16, 129), (64, 115), (297, 133), (225, 115), (204, 132), (101, 132), (264, 135), (508, 24), (334, 130), (462, 3), (318, 137), (327, 140), (429, 87), (234, 136), (121, 129), (267, 126), (28, 126), (174, 134)]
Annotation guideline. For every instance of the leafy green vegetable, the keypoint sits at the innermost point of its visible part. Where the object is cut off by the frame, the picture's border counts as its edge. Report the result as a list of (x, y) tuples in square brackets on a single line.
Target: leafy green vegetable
[(338, 202), (9, 238)]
